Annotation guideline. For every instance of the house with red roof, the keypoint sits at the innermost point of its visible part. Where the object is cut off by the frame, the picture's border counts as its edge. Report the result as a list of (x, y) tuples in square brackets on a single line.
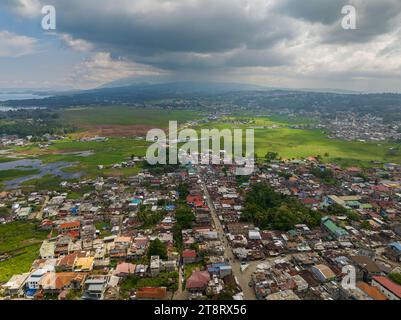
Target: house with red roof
[(149, 293), (198, 281), (70, 226), (195, 200), (188, 256), (125, 269), (389, 288)]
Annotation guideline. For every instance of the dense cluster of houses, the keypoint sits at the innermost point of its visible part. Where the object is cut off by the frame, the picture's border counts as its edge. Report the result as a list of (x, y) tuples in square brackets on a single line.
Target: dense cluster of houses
[(308, 263), (98, 240), (350, 126)]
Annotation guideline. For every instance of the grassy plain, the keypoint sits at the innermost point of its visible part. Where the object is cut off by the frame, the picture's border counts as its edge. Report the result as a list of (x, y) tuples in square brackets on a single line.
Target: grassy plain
[(278, 135), (22, 241), (123, 115), (15, 173)]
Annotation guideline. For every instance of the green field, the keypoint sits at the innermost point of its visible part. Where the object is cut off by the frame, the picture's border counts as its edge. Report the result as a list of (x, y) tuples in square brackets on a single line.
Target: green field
[(114, 150), (278, 135), (22, 241), (121, 115), (15, 173), (292, 143), (302, 143)]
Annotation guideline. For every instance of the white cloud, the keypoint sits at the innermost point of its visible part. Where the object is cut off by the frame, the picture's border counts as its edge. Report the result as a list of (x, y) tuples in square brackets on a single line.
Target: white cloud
[(266, 41), (101, 68), (77, 44), (13, 45), (25, 8)]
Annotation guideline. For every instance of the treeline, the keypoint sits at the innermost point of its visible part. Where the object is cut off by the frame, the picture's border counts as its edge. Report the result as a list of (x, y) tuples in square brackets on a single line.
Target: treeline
[(33, 123), (386, 105), (268, 209)]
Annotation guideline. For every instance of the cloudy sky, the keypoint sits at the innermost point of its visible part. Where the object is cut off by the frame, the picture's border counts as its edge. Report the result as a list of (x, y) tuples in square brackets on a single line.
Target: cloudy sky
[(277, 43)]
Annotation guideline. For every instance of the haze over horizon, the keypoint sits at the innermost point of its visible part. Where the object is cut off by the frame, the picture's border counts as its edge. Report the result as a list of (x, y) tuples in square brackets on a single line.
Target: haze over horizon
[(272, 43)]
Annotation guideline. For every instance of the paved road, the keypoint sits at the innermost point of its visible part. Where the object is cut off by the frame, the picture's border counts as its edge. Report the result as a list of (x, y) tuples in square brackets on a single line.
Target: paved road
[(243, 277)]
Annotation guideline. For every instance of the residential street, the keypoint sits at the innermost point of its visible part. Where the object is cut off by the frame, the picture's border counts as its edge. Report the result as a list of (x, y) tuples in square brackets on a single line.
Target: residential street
[(243, 277), (180, 294)]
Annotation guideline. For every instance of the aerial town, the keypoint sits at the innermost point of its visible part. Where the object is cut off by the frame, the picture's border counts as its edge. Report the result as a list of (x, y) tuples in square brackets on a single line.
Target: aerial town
[(183, 234), (201, 158)]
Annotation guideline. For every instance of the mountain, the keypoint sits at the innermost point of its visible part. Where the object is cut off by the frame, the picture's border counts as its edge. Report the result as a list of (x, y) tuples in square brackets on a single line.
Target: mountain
[(180, 87)]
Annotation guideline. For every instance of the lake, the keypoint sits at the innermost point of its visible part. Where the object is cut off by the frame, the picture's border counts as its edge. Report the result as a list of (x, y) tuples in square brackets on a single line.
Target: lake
[(19, 96)]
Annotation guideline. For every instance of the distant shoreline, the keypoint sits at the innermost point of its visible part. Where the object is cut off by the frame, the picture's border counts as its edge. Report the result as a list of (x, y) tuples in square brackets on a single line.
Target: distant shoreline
[(20, 96)]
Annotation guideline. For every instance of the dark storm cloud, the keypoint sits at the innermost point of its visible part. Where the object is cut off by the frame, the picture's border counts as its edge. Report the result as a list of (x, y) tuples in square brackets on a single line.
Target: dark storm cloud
[(374, 17), (315, 11), (288, 39), (157, 30), (175, 34)]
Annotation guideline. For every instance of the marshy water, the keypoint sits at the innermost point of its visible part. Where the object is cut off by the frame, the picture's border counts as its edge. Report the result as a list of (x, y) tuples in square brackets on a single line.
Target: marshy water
[(51, 168)]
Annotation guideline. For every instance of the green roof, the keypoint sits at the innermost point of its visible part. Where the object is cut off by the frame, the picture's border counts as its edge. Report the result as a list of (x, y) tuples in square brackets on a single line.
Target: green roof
[(333, 228)]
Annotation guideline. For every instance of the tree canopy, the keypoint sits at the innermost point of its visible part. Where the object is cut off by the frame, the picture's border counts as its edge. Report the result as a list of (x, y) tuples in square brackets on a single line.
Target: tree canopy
[(157, 248), (271, 210)]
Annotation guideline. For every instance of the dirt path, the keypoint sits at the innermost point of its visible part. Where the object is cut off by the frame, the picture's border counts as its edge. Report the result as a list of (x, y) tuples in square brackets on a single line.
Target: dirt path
[(39, 216)]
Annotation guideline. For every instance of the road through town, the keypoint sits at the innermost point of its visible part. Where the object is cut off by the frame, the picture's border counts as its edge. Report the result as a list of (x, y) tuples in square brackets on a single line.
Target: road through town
[(243, 277)]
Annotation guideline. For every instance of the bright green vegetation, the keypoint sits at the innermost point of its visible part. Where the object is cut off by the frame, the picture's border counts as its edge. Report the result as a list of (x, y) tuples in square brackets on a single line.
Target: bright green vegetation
[(191, 267), (149, 218), (278, 120), (20, 240), (4, 211), (122, 115), (284, 119), (395, 277), (20, 263), (104, 228), (291, 143), (77, 194), (337, 210), (164, 279), (47, 182), (7, 160), (112, 151), (15, 173), (157, 248), (294, 143), (184, 218), (268, 209)]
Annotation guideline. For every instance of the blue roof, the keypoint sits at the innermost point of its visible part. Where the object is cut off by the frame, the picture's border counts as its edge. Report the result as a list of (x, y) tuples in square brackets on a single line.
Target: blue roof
[(219, 264), (30, 292), (396, 245), (225, 268)]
